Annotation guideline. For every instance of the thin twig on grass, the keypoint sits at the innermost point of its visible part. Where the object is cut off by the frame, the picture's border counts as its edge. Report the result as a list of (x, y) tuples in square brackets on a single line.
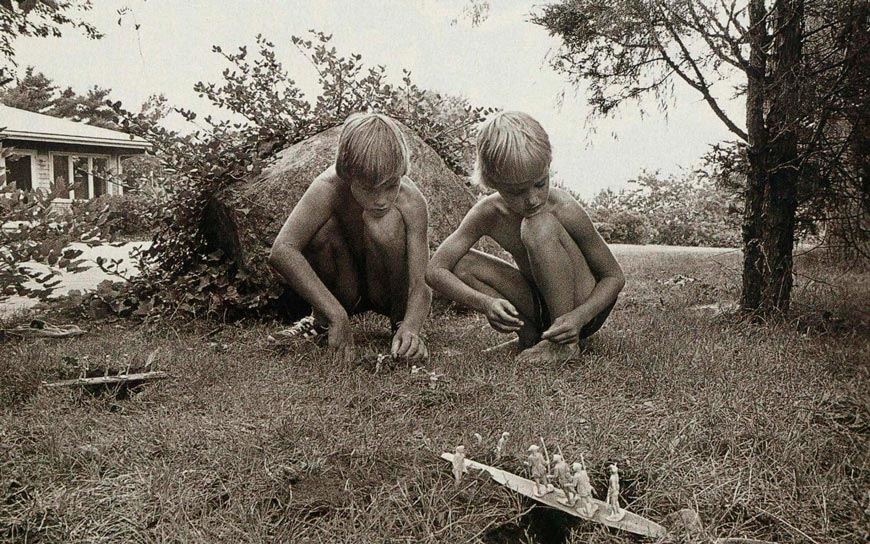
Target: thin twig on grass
[(116, 379), (500, 346)]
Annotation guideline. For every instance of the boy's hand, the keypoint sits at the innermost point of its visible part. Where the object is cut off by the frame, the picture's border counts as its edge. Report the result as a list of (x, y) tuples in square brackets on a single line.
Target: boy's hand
[(340, 341), (408, 345), (502, 315), (565, 329)]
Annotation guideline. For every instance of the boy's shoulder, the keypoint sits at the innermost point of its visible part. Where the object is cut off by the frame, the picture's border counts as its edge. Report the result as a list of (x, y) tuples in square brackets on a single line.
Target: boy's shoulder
[(564, 202), (410, 194), (490, 205), (409, 188), (562, 197), (487, 214), (329, 178), (327, 187)]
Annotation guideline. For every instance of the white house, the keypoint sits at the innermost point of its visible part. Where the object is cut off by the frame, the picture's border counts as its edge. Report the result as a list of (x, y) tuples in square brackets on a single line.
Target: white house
[(49, 151)]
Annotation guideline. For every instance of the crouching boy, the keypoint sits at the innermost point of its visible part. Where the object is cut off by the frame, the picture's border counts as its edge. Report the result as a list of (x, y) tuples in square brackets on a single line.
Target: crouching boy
[(357, 240), (565, 281)]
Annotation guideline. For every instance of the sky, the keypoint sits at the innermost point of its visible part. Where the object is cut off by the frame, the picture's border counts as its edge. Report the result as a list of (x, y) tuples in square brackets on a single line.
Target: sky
[(501, 63)]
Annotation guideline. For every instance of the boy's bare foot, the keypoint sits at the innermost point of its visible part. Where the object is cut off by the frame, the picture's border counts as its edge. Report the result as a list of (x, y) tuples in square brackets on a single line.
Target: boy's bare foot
[(549, 352)]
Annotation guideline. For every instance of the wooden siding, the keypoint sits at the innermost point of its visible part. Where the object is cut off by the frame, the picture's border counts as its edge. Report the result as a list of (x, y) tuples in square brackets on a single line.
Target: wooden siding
[(42, 172)]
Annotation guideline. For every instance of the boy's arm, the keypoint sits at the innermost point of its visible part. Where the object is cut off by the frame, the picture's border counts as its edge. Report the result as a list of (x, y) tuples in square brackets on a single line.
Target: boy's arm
[(608, 274), (500, 313), (416, 218), (440, 274), (312, 211)]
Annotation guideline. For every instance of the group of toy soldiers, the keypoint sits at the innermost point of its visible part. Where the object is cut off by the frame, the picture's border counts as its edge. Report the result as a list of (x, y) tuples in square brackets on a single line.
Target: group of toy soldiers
[(572, 480)]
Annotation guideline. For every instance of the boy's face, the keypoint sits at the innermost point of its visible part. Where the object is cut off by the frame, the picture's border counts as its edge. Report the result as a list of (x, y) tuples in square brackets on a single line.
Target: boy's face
[(528, 197), (378, 198)]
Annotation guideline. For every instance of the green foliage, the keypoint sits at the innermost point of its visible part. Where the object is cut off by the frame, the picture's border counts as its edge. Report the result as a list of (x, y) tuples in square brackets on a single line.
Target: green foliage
[(32, 92), (801, 66), (35, 230), (682, 211), (259, 89), (270, 112), (131, 215)]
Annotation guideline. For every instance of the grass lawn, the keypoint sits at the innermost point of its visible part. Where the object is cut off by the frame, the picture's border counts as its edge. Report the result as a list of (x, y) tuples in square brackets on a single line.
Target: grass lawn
[(762, 429)]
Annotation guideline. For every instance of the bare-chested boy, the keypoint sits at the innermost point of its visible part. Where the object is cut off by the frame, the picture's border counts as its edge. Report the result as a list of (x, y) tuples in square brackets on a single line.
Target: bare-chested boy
[(566, 280), (357, 240)]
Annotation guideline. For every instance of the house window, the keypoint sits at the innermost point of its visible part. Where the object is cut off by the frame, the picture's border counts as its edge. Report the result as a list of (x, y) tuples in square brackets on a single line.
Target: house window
[(100, 171), (61, 178), (88, 174), (19, 170), (81, 185)]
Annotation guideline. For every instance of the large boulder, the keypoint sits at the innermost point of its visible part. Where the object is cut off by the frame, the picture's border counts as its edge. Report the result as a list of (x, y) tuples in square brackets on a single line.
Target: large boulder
[(244, 219)]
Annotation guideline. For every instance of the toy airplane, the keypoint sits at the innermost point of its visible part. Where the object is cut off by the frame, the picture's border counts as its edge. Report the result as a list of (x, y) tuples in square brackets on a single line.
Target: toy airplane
[(630, 522)]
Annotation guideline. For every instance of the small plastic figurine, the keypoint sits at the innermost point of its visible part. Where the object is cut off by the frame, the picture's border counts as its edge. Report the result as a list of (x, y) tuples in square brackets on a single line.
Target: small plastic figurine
[(616, 513), (561, 474), (478, 438), (381, 360), (583, 490), (459, 463), (538, 470), (502, 442)]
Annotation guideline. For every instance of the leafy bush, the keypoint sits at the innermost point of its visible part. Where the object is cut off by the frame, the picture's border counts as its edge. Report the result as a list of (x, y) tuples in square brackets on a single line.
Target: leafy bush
[(629, 228), (685, 211), (33, 230), (132, 215)]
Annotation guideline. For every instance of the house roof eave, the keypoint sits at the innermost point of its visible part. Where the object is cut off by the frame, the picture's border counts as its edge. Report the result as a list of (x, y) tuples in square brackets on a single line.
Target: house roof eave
[(129, 143)]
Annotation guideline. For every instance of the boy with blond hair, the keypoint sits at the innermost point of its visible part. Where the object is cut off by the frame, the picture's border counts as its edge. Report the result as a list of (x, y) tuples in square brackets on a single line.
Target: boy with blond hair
[(565, 281), (358, 240)]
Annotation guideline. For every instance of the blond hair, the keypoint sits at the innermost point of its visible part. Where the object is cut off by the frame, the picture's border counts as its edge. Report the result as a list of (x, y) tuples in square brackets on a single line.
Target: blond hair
[(371, 149), (511, 146)]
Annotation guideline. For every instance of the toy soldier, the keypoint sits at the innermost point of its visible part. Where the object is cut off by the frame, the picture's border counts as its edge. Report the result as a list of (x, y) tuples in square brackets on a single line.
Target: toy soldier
[(616, 513), (561, 473), (583, 490), (459, 463), (502, 442), (538, 470)]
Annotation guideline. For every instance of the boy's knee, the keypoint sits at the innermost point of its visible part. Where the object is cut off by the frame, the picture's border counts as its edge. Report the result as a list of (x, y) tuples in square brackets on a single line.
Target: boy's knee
[(539, 228), (326, 236), (463, 270), (387, 228)]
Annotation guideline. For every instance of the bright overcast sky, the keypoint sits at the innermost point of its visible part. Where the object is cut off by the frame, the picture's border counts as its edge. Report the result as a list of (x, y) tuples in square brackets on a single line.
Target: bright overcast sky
[(501, 63)]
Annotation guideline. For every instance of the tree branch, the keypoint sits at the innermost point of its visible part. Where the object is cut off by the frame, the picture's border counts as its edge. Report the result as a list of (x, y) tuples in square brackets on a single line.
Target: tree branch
[(700, 85), (737, 60)]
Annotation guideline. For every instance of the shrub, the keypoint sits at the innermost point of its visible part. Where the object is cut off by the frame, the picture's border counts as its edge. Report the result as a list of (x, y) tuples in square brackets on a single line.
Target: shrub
[(684, 211), (132, 215), (35, 231)]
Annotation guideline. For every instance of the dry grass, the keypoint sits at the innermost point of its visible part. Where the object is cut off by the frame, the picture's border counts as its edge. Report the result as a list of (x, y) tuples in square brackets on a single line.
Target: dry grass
[(762, 429)]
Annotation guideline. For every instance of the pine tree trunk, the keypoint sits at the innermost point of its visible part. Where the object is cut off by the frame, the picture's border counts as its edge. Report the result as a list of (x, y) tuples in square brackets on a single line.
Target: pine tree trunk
[(771, 188)]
